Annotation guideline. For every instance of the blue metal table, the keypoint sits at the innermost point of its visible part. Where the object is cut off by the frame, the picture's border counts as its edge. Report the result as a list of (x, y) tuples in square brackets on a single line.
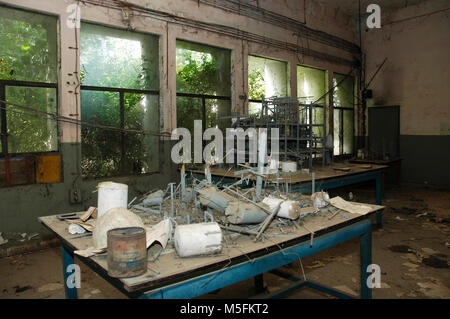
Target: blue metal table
[(213, 277)]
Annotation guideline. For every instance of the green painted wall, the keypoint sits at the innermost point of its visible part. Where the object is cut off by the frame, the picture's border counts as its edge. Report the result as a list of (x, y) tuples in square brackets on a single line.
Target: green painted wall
[(20, 206)]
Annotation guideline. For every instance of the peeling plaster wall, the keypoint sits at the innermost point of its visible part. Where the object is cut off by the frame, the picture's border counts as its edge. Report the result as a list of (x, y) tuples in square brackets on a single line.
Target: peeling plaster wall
[(416, 76), (19, 212)]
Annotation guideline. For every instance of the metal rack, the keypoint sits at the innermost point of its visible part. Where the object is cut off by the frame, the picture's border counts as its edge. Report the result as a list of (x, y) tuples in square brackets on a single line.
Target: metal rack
[(298, 138)]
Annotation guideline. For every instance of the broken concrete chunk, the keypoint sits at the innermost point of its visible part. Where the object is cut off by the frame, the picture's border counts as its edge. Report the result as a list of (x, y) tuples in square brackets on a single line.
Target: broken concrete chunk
[(244, 213), (154, 199), (288, 209), (215, 199)]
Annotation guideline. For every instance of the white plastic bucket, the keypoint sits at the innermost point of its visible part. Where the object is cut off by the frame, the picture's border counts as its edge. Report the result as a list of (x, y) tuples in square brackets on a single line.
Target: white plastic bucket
[(198, 239), (111, 195)]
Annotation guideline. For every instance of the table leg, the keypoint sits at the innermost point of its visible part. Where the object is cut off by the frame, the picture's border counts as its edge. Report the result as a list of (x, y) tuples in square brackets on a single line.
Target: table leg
[(378, 189), (379, 199), (366, 260), (259, 283), (67, 259)]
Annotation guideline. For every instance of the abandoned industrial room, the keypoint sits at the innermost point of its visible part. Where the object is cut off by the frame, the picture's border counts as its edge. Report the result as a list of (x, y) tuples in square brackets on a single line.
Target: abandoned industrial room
[(224, 149)]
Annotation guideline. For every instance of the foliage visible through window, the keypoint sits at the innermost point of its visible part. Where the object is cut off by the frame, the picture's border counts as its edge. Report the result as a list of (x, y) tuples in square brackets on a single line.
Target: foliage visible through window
[(343, 102), (120, 82), (28, 53), (311, 88), (265, 77), (203, 73)]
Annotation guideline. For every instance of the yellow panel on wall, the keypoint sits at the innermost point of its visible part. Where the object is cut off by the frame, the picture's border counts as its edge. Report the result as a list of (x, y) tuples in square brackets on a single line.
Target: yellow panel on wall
[(48, 169)]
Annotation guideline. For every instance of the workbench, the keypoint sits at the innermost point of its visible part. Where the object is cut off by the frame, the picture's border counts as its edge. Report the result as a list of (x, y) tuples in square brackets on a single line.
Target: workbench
[(326, 177), (241, 258)]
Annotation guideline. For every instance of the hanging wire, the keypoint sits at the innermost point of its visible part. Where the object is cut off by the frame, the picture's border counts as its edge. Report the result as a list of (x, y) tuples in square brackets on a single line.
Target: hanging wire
[(28, 111)]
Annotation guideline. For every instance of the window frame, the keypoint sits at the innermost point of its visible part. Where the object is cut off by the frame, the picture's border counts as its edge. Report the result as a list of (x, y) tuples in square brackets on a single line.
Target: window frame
[(268, 58), (4, 154), (205, 97), (121, 92), (341, 121)]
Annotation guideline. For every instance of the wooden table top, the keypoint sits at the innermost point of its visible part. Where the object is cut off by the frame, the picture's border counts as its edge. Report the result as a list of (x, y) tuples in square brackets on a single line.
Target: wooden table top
[(321, 173), (169, 268)]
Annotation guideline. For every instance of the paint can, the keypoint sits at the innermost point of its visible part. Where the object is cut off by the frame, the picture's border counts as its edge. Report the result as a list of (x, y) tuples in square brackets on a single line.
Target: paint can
[(198, 239), (111, 195), (127, 252)]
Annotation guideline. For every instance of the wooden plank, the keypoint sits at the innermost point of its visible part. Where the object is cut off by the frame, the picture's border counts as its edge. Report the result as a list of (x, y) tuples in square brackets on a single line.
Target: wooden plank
[(321, 173), (170, 268)]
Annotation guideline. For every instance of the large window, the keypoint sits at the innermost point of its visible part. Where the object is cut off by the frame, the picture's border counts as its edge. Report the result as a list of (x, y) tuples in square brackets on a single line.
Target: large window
[(266, 77), (203, 85), (120, 89), (311, 88), (28, 77), (343, 100)]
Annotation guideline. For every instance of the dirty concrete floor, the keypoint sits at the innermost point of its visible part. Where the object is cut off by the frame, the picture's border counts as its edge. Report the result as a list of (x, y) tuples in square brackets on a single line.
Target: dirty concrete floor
[(412, 250)]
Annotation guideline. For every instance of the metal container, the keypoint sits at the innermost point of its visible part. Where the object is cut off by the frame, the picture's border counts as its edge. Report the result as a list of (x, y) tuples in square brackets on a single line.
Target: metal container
[(127, 252)]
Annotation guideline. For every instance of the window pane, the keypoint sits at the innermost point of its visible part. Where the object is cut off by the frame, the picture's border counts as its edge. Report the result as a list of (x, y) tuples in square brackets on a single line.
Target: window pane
[(343, 95), (254, 108), (28, 50), (117, 58), (266, 76), (337, 132), (100, 148), (188, 110), (215, 111), (348, 131), (141, 151), (311, 84), (31, 132), (203, 69)]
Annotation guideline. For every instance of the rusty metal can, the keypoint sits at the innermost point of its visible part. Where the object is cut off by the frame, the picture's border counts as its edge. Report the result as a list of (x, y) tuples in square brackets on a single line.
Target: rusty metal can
[(127, 252)]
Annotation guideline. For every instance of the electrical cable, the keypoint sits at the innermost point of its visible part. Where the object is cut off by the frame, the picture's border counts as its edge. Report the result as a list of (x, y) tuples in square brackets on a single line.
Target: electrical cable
[(51, 116)]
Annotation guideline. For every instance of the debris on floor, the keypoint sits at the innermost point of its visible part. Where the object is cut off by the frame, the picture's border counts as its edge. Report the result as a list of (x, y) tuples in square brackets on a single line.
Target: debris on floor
[(50, 287), (2, 240)]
